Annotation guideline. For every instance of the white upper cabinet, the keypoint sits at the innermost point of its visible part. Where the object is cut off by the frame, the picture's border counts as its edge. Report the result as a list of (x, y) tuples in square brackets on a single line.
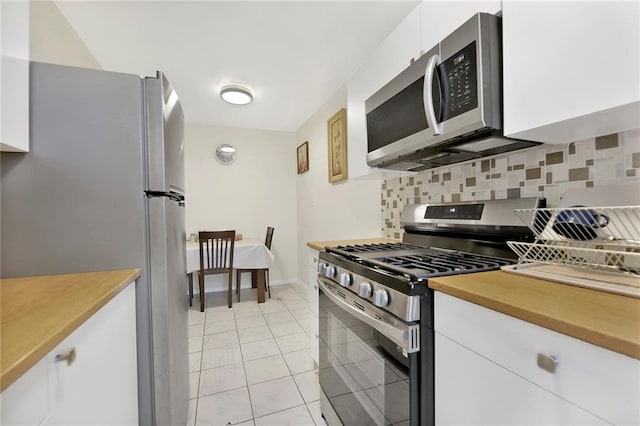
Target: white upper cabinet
[(571, 69), (392, 56), (441, 18), (14, 76)]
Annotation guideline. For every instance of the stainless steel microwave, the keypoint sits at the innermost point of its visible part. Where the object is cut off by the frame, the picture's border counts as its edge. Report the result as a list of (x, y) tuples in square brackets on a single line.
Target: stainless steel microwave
[(446, 107)]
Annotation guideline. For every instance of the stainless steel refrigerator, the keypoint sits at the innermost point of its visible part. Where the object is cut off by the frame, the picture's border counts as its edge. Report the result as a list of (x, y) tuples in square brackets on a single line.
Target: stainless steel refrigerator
[(103, 188)]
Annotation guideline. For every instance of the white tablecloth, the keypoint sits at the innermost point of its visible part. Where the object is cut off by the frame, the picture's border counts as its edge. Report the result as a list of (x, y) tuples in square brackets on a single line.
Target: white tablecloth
[(248, 253)]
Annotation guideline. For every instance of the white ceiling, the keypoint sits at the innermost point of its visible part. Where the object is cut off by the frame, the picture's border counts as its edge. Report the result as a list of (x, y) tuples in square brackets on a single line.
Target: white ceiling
[(293, 54)]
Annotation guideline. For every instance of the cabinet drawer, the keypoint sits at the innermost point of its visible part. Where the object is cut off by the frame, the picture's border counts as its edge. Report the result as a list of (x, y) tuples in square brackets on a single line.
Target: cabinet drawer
[(312, 258), (471, 390), (600, 381)]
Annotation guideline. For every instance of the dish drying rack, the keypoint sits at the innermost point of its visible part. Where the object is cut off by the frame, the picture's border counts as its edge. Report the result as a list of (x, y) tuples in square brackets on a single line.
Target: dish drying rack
[(606, 258)]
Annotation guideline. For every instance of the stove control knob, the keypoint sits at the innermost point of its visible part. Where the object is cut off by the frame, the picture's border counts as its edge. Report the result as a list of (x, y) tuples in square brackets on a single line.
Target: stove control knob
[(380, 298), (321, 267), (330, 271), (364, 290), (346, 279)]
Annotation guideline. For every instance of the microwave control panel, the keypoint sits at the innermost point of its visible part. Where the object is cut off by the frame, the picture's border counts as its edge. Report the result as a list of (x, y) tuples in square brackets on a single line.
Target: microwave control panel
[(460, 83)]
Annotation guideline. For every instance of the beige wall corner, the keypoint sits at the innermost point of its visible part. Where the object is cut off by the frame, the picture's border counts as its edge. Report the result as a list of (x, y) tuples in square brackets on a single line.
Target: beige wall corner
[(53, 40)]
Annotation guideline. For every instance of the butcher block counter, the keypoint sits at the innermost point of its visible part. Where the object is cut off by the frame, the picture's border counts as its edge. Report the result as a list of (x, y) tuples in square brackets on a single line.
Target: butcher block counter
[(320, 245), (39, 312), (607, 320)]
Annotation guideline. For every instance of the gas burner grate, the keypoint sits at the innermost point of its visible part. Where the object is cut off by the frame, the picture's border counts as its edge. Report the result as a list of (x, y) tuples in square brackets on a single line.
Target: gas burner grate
[(438, 264), (369, 248), (358, 252)]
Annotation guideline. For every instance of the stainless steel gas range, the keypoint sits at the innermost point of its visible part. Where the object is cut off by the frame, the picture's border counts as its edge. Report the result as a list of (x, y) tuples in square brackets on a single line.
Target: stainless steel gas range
[(376, 310)]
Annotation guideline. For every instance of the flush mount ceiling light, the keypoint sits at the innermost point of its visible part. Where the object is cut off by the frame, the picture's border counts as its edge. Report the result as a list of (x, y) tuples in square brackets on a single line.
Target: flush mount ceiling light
[(236, 94)]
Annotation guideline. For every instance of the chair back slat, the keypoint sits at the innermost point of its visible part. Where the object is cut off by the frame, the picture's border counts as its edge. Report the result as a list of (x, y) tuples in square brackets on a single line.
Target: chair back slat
[(216, 251), (269, 238), (216, 257)]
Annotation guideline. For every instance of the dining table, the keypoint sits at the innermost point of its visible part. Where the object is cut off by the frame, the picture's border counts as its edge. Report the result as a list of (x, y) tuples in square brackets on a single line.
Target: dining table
[(248, 253)]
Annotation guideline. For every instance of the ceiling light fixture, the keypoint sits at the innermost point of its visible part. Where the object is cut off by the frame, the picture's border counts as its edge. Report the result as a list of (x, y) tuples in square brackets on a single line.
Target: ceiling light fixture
[(236, 94)]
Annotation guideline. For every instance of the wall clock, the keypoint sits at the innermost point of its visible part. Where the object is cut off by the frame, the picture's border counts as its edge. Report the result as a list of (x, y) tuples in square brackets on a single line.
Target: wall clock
[(225, 154)]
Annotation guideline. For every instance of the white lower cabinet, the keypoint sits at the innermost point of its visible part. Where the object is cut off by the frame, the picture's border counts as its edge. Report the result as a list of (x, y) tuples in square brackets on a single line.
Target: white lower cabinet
[(99, 387), (487, 372), (314, 335), (471, 389)]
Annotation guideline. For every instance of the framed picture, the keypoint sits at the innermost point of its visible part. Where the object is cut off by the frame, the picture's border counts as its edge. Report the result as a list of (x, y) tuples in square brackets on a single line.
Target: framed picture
[(337, 132), (303, 157)]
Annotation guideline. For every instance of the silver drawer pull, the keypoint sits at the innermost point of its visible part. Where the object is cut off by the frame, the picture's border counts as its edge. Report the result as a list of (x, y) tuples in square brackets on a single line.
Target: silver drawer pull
[(547, 363), (69, 356)]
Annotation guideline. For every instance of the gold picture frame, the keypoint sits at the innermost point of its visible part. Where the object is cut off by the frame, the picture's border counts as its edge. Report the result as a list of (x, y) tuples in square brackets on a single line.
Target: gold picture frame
[(337, 144), (302, 154)]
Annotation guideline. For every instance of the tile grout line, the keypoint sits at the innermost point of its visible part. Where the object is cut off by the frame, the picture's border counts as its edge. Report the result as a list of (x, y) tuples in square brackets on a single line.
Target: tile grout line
[(287, 365), (285, 409), (197, 398), (244, 368), (279, 350), (292, 375), (294, 380), (287, 309)]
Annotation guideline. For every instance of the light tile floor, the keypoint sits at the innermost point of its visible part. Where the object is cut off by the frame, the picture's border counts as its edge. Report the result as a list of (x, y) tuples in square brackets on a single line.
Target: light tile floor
[(250, 365)]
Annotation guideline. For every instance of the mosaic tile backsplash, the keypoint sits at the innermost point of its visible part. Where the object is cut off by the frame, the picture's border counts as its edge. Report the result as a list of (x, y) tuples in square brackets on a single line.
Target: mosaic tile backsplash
[(545, 171)]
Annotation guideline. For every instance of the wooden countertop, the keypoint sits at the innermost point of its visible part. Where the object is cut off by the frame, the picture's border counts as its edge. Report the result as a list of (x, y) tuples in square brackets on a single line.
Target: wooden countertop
[(320, 245), (39, 312), (603, 319)]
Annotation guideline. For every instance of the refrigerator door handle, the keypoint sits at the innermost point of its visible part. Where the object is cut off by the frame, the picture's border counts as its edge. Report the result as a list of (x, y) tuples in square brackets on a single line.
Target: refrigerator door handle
[(172, 195)]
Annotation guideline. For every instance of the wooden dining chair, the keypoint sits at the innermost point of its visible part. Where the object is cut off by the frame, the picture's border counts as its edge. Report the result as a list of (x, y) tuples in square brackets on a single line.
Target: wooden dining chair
[(267, 242), (216, 257)]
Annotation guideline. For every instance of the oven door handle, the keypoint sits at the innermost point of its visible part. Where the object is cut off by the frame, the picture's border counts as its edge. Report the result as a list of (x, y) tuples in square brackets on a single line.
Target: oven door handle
[(407, 336)]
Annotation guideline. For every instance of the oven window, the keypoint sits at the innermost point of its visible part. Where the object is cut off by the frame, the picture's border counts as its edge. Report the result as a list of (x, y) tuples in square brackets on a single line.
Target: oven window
[(363, 382)]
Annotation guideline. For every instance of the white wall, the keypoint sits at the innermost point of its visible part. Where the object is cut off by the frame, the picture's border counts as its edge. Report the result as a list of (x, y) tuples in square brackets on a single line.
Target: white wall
[(256, 191), (347, 209), (52, 39)]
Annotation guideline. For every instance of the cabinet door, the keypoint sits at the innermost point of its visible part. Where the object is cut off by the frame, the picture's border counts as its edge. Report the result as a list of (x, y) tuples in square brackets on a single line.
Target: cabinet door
[(100, 386), (571, 69), (314, 334), (471, 389), (14, 76), (26, 401), (440, 18)]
